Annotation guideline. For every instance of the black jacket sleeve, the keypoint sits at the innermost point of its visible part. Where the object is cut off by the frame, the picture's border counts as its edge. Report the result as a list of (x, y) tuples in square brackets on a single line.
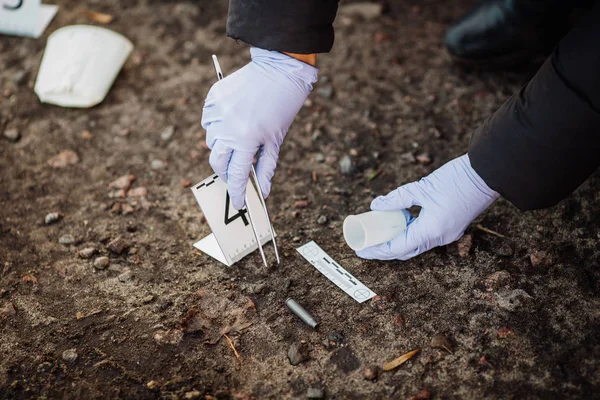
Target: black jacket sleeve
[(545, 141), (293, 26)]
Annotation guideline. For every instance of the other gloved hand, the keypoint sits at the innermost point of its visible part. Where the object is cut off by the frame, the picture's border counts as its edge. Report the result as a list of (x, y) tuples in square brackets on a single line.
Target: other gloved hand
[(450, 198), (251, 110)]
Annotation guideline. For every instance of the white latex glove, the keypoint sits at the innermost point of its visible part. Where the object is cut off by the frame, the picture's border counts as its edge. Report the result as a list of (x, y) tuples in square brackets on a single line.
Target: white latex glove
[(251, 110), (450, 198)]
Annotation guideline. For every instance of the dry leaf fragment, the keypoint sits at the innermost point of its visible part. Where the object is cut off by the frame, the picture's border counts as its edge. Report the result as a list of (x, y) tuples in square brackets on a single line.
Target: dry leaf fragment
[(99, 17), (442, 342), (388, 366)]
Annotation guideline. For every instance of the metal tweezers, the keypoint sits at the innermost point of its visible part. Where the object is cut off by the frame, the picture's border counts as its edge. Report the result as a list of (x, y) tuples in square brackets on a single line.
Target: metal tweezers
[(254, 180)]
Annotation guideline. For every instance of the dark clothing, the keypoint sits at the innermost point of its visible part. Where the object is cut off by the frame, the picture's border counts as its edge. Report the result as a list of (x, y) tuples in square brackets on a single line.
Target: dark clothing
[(545, 140), (293, 26), (535, 150)]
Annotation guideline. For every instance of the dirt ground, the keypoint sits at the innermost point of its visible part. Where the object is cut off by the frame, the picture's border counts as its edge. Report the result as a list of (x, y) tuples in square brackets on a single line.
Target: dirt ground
[(521, 312)]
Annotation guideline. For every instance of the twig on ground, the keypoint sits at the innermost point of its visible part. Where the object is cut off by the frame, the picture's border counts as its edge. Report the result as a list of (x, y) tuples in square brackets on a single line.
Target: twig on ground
[(237, 355), (491, 232)]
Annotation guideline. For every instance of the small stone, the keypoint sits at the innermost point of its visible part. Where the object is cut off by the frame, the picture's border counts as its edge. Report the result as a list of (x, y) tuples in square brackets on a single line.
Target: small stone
[(505, 250), (158, 164), (296, 239), (7, 310), (171, 336), (52, 218), (298, 353), (137, 192), (370, 373), (63, 159), (301, 204), (504, 332), (314, 393), (127, 209), (186, 183), (20, 77), (12, 134), (88, 252), (542, 258), (44, 367), (442, 342), (353, 152), (423, 394), (464, 245), (101, 262), (320, 157), (334, 340), (87, 135), (153, 385), (148, 299), (322, 220), (316, 135), (325, 92), (330, 159), (194, 394), (407, 158), (167, 133), (346, 166), (69, 355), (118, 245), (123, 182), (126, 276), (66, 239), (424, 158), (496, 280)]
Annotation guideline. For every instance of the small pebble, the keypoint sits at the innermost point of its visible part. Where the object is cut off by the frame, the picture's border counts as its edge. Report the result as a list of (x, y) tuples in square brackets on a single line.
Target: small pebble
[(148, 299), (325, 92), (101, 262), (12, 134), (152, 385), (52, 218), (63, 159), (168, 133), (126, 276), (123, 182), (320, 157), (298, 353), (322, 220), (194, 394), (7, 310), (296, 239), (370, 373), (69, 355), (20, 77), (158, 164), (88, 252), (346, 165), (301, 204), (424, 158), (137, 192), (464, 245), (66, 239), (118, 245), (314, 393)]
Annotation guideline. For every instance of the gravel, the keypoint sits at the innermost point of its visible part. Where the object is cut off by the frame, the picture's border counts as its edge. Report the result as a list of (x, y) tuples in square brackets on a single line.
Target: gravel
[(347, 165), (69, 355)]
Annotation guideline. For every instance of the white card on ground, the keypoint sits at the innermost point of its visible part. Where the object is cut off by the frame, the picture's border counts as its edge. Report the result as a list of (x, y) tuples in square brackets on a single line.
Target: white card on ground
[(334, 272), (25, 17), (232, 238)]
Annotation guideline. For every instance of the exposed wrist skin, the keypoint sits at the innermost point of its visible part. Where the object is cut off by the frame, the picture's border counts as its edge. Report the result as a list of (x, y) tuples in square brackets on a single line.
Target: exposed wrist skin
[(310, 59)]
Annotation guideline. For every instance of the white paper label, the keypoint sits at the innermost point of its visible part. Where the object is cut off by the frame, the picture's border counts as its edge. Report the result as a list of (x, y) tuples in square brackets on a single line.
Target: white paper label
[(334, 272), (25, 17)]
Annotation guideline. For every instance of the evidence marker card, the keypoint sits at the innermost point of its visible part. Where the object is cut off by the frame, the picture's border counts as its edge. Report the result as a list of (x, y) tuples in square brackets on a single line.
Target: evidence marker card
[(334, 272)]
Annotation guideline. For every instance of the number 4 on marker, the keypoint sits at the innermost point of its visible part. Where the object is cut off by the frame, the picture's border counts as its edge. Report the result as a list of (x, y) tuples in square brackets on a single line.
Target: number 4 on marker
[(240, 214)]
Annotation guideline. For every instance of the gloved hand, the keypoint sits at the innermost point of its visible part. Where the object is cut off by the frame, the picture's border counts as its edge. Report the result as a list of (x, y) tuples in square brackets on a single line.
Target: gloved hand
[(450, 198), (251, 110)]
